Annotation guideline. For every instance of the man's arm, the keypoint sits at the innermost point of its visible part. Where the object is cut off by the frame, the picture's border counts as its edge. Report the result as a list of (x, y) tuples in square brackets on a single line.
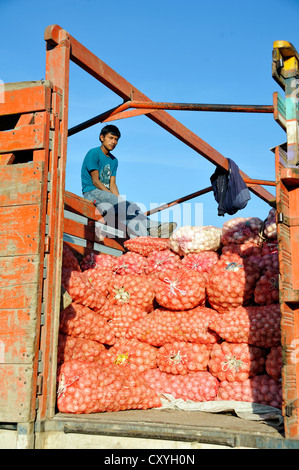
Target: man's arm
[(96, 181), (113, 186)]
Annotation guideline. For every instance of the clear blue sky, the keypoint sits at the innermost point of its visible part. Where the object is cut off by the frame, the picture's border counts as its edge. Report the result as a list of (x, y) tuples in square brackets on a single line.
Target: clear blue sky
[(183, 51)]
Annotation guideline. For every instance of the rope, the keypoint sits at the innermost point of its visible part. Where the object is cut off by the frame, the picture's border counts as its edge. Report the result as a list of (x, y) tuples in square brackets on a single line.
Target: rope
[(173, 287), (232, 363)]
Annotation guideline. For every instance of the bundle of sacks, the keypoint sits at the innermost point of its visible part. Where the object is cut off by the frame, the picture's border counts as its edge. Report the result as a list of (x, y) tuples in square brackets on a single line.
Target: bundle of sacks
[(195, 316)]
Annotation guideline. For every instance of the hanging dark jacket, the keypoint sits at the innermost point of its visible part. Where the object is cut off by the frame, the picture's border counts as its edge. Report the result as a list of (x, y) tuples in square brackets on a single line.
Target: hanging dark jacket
[(229, 189)]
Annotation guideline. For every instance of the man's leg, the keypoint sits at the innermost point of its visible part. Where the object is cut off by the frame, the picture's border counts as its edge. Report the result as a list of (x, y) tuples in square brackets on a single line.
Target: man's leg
[(115, 209)]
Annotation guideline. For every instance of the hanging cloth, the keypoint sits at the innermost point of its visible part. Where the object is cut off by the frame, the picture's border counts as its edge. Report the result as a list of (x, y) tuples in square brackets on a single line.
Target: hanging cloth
[(230, 190)]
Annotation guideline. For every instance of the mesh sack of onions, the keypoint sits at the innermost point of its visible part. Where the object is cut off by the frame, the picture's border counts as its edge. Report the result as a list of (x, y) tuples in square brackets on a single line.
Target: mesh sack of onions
[(236, 361), (274, 362), (146, 245), (166, 326), (231, 283), (131, 354), (100, 279), (266, 291), (197, 386), (134, 290), (79, 321), (159, 261), (98, 261), (130, 263), (87, 387), (76, 348), (123, 317), (180, 289), (189, 239), (201, 262), (255, 325), (270, 227), (81, 290), (69, 260), (245, 250), (265, 262), (261, 389), (241, 230), (182, 357)]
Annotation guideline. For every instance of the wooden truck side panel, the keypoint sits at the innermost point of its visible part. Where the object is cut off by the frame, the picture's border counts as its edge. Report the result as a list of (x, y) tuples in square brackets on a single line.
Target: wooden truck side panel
[(21, 265)]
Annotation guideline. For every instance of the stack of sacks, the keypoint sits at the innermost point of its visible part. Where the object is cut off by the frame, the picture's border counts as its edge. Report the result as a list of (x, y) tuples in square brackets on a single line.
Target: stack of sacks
[(195, 316)]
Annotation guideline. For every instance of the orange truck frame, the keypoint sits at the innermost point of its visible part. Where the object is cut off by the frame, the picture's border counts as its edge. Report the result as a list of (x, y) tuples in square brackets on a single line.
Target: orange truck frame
[(37, 215)]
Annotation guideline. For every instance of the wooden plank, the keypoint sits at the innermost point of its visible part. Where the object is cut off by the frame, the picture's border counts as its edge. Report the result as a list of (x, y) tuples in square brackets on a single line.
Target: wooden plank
[(14, 269), (78, 229), (30, 137), (21, 183), (16, 392), (25, 97), (109, 246), (86, 228), (17, 336), (19, 296), (7, 159), (81, 206), (19, 230)]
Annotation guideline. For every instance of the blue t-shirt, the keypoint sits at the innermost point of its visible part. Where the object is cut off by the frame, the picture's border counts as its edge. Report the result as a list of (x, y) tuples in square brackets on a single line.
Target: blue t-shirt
[(95, 159)]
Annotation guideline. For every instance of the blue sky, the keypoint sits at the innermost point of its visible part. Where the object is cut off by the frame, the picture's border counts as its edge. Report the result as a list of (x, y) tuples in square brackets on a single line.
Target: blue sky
[(192, 51)]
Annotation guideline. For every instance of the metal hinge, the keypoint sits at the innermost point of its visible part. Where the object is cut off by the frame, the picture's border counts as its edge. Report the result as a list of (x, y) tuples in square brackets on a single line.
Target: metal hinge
[(47, 243), (49, 185), (39, 385), (39, 382), (289, 221)]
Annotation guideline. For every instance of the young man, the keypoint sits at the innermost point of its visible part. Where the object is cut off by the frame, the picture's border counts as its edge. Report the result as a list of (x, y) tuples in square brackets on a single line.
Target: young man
[(98, 177)]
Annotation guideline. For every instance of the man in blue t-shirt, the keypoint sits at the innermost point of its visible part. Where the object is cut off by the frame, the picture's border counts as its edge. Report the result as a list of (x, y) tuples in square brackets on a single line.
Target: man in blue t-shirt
[(98, 177)]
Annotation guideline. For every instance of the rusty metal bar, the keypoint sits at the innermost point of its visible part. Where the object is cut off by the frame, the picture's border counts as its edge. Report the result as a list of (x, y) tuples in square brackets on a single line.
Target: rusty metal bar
[(250, 181), (236, 108), (99, 118), (103, 73), (178, 201), (143, 107)]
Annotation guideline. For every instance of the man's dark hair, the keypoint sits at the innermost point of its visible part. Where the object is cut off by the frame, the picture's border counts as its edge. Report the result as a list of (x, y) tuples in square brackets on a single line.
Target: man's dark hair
[(110, 129)]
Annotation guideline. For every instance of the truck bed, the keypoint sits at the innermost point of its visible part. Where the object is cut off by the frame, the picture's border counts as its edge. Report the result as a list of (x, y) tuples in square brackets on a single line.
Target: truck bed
[(159, 428)]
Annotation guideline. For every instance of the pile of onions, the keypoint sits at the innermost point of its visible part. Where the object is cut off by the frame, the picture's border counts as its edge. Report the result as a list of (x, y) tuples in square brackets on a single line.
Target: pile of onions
[(231, 283), (255, 325), (190, 239), (79, 349), (167, 326), (180, 289), (274, 362), (159, 261), (88, 387), (182, 357), (197, 386), (236, 361), (261, 389), (270, 228), (132, 354), (130, 263), (98, 261), (241, 230), (136, 291), (146, 245), (79, 321)]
